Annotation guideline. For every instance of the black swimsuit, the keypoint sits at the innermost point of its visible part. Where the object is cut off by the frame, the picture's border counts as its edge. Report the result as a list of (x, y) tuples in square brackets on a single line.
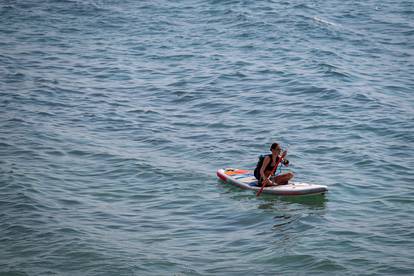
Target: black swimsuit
[(269, 167)]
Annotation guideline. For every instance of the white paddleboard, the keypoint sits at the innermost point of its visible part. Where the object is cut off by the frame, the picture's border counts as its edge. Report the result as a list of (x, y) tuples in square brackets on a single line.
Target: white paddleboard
[(245, 179)]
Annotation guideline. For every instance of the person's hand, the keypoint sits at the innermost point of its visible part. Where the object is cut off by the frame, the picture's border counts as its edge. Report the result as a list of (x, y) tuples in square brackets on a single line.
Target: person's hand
[(267, 182)]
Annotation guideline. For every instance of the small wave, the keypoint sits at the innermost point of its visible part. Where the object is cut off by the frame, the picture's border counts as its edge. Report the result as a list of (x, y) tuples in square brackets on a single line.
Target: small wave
[(184, 98), (144, 111), (284, 220), (408, 33), (98, 95), (320, 20), (233, 75), (301, 6), (179, 83), (55, 153), (78, 153), (334, 71), (69, 202)]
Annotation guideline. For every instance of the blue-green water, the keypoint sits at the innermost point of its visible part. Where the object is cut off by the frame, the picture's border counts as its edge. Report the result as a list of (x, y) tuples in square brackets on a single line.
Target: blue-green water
[(115, 116)]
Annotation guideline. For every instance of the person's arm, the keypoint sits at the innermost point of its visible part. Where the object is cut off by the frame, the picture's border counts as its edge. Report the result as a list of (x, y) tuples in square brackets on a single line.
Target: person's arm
[(264, 166), (284, 160)]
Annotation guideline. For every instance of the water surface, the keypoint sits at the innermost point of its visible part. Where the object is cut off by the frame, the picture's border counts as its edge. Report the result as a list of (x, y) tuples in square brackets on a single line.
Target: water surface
[(115, 117)]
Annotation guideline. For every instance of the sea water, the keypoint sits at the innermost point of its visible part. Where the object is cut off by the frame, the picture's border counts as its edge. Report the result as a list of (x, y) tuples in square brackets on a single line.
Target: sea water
[(115, 116)]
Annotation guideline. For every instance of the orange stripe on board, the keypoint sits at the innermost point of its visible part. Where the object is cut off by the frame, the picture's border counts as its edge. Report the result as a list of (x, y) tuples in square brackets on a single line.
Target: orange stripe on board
[(235, 172)]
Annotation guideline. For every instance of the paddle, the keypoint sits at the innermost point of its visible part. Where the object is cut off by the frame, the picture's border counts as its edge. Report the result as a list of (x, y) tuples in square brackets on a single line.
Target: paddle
[(273, 172)]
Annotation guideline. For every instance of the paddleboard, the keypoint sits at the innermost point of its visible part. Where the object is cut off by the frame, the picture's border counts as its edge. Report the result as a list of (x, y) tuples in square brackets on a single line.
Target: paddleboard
[(245, 179)]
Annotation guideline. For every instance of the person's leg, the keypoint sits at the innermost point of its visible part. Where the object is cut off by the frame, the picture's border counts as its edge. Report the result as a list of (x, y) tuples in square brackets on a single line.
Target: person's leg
[(283, 178)]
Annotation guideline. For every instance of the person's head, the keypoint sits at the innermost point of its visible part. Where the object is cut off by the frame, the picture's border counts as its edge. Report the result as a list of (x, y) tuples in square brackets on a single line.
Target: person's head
[(275, 148)]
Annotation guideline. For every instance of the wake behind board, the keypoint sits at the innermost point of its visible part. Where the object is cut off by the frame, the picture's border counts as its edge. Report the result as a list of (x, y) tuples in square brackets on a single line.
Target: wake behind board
[(245, 179)]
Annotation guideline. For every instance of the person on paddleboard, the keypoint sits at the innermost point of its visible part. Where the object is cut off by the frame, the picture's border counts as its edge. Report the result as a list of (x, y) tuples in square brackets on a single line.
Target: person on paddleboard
[(267, 165)]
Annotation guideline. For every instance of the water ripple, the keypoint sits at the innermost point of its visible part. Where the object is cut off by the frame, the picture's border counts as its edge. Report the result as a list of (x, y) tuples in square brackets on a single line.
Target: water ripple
[(115, 117)]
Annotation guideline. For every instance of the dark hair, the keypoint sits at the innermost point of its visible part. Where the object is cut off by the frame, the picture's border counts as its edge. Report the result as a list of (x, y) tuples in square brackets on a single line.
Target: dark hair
[(273, 146)]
